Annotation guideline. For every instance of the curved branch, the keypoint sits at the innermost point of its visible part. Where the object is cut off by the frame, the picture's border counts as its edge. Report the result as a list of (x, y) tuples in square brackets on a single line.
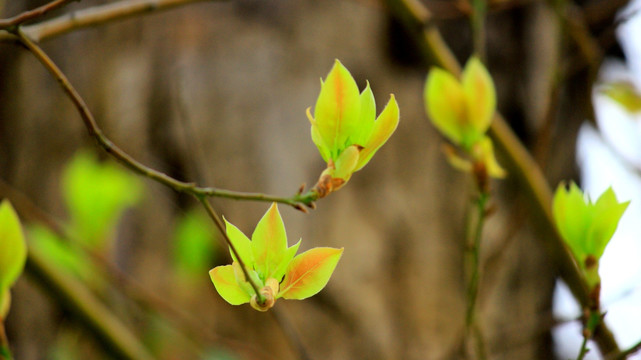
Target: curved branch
[(418, 20), (32, 14), (96, 15), (297, 201)]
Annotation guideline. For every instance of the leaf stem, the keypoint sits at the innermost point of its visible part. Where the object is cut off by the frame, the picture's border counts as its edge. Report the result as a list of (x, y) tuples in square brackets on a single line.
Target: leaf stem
[(584, 348), (473, 255)]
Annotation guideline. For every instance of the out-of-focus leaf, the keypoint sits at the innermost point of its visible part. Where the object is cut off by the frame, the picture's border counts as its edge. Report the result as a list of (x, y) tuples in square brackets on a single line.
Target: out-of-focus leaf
[(193, 244), (480, 96), (309, 272), (13, 253), (96, 194), (64, 255), (13, 248)]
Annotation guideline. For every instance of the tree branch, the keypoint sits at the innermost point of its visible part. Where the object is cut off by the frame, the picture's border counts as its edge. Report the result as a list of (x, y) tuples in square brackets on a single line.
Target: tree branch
[(418, 21), (297, 201), (32, 14), (96, 15)]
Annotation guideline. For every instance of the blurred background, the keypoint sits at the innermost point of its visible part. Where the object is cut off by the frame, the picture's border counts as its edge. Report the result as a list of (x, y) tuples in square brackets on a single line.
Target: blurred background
[(216, 92)]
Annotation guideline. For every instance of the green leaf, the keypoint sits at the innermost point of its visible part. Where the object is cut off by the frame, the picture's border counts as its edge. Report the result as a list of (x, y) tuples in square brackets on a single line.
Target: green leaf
[(96, 195), (5, 304), (368, 115), (337, 109), (64, 255), (480, 98), (13, 248), (309, 272), (318, 139), (346, 163), (446, 105), (284, 264), (193, 249), (225, 282), (383, 128), (241, 243), (607, 212), (269, 243), (586, 227)]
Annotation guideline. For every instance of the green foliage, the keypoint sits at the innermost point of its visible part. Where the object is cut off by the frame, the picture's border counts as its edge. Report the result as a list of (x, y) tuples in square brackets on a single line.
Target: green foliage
[(193, 245), (64, 254), (96, 194), (462, 111), (269, 262), (345, 128), (586, 226), (13, 253)]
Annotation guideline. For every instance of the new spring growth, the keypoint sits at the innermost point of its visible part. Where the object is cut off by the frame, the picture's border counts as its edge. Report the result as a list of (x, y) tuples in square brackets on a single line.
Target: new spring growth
[(13, 254), (586, 226), (345, 128), (462, 111), (272, 265)]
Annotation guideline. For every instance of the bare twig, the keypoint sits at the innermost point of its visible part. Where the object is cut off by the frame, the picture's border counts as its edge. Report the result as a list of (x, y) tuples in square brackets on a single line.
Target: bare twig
[(434, 49), (297, 201), (96, 15), (32, 14)]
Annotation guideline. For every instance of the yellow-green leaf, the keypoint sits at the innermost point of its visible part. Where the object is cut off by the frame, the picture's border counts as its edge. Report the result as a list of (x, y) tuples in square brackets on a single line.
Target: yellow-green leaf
[(309, 272), (269, 243), (446, 105), (607, 212), (225, 282), (383, 128), (368, 115), (337, 109), (346, 163), (480, 97), (13, 249), (241, 244)]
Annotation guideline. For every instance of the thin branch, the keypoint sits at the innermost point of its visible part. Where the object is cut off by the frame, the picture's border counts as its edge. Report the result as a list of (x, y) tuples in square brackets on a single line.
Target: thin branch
[(624, 354), (96, 15), (290, 333), (76, 299), (32, 14), (95, 132), (221, 227), (473, 256), (521, 164), (297, 201)]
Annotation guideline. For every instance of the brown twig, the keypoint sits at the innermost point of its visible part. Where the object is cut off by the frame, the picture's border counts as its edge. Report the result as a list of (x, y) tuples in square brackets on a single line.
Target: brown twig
[(297, 201), (32, 14), (96, 15), (521, 164), (124, 158)]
